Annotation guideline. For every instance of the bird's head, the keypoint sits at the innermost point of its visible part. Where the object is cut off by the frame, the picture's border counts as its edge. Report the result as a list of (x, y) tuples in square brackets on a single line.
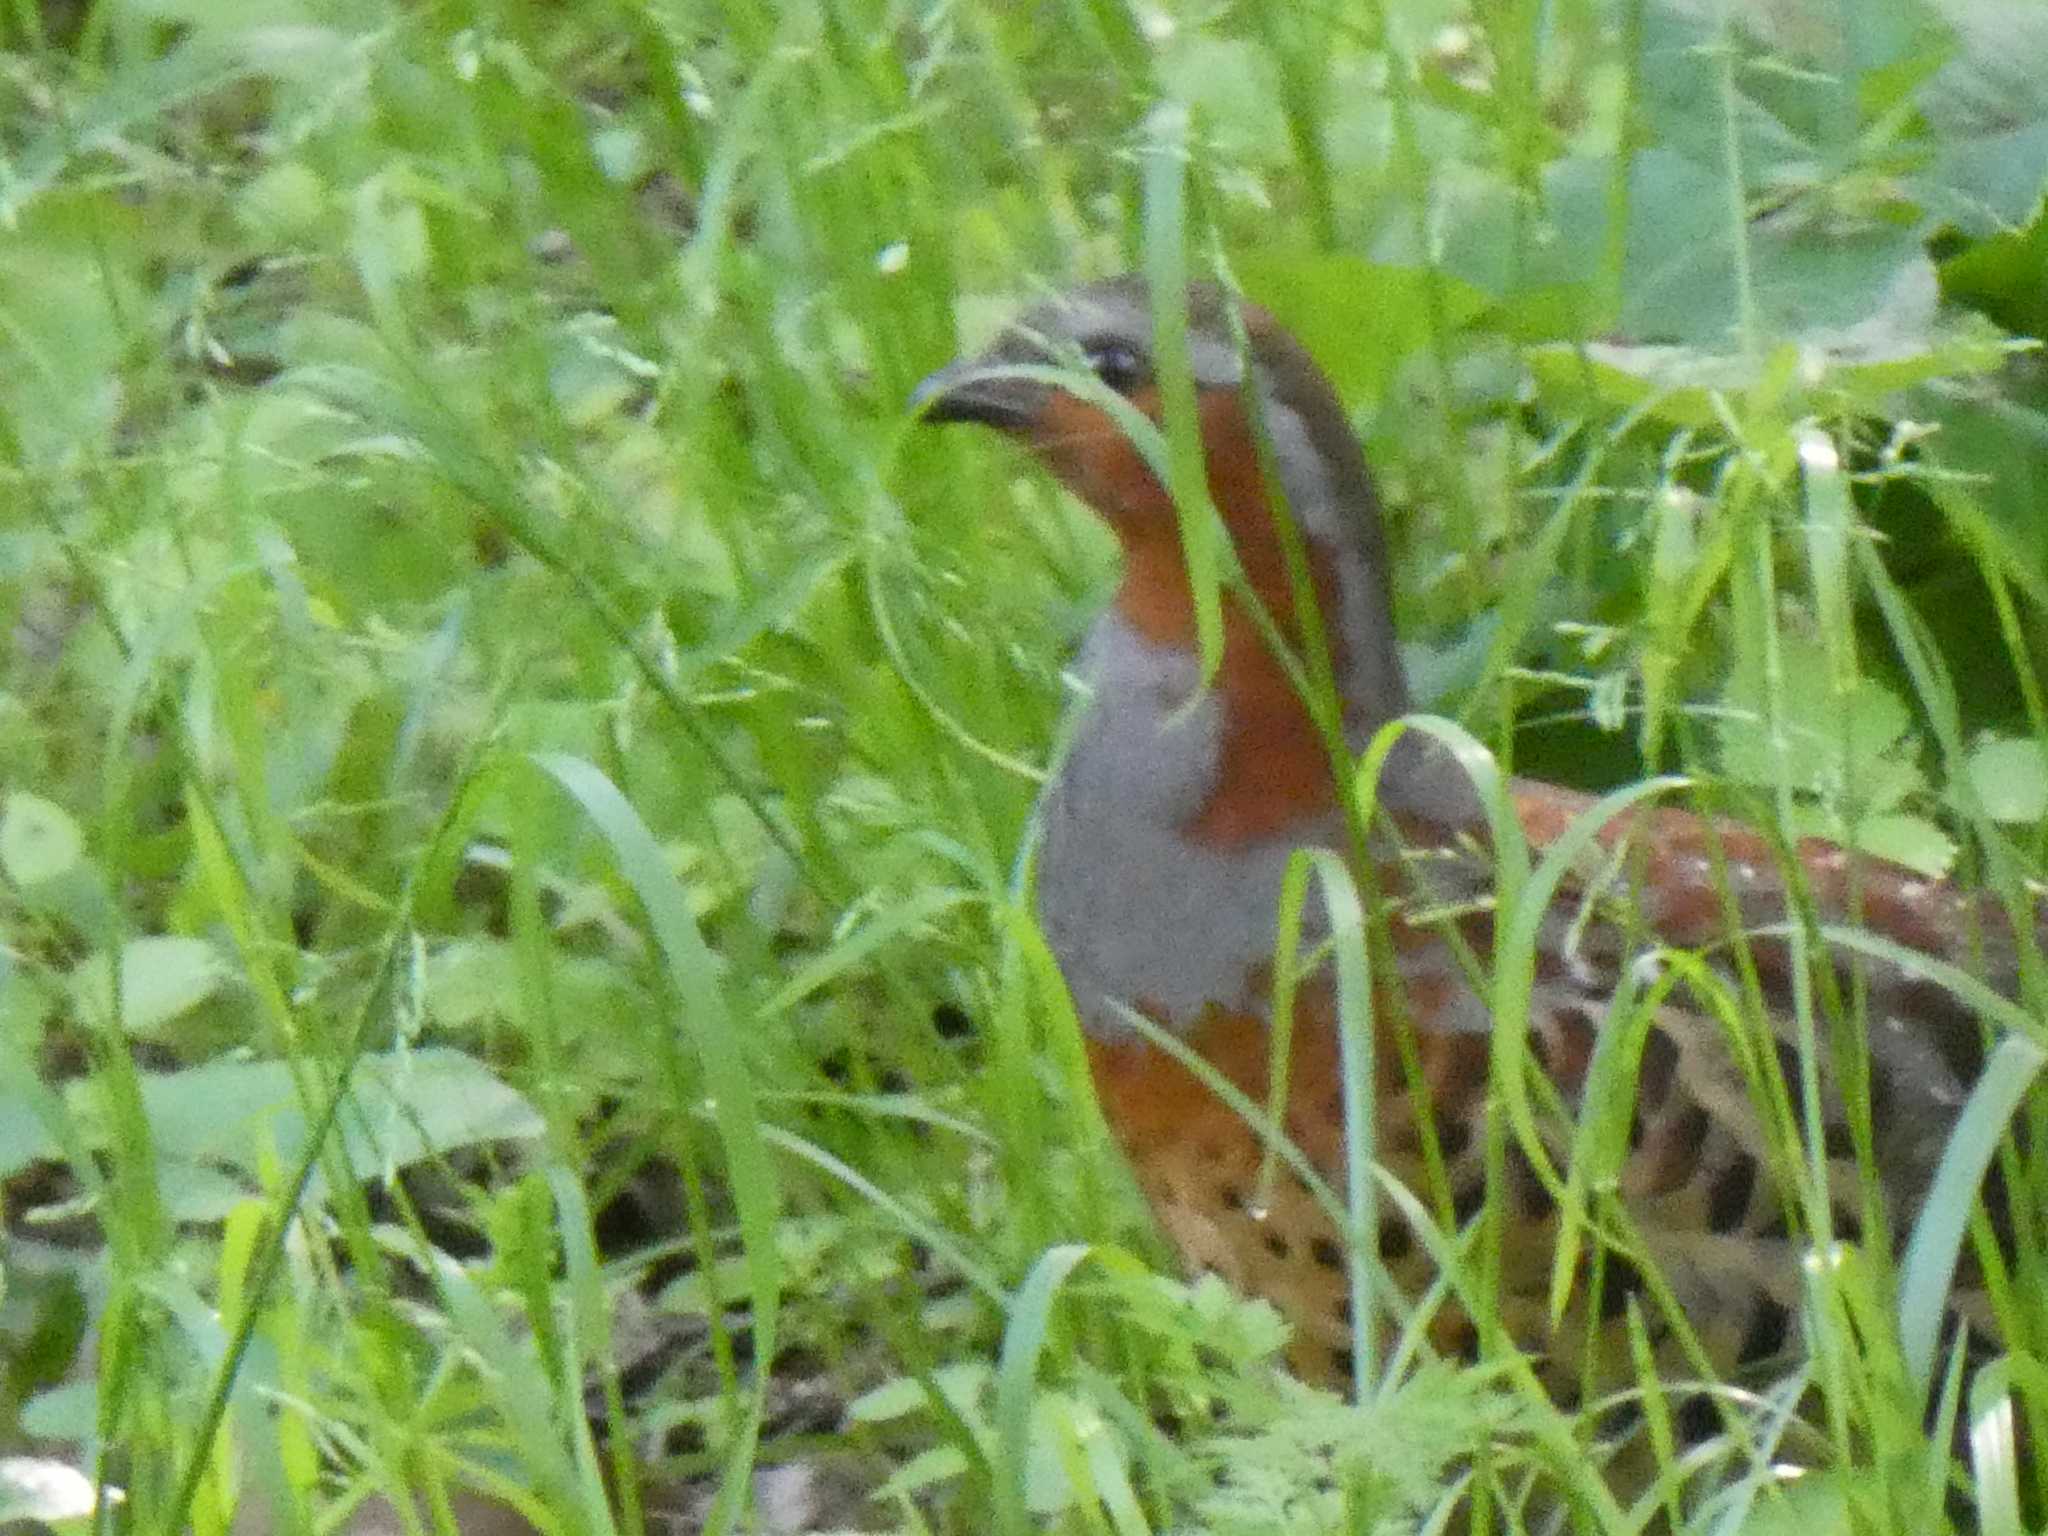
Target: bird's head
[(1105, 329)]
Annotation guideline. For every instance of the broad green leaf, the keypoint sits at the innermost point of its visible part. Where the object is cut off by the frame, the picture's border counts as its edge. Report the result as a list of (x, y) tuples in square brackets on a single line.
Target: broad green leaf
[(1827, 736), (163, 977), (2010, 777), (1909, 840), (65, 1412), (25, 1100), (196, 1192), (1688, 65), (893, 1399), (22, 1137), (1814, 1505), (1232, 85), (1359, 319), (403, 1106), (38, 839), (1990, 183)]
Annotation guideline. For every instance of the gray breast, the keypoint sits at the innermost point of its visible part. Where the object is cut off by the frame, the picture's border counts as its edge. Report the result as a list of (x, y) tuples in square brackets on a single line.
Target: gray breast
[(1134, 911)]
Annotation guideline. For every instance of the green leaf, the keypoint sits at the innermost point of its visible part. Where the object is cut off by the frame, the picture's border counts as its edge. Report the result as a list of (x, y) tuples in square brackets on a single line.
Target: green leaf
[(195, 1192), (162, 978), (2010, 777), (1909, 840), (1991, 183), (38, 839), (1813, 1505), (1988, 109), (896, 1398), (22, 1137), (1233, 87), (65, 1412), (1359, 319), (1686, 61), (1838, 745), (403, 1106)]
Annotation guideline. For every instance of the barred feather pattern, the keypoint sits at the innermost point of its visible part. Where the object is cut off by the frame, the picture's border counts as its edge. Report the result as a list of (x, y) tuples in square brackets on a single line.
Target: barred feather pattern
[(1713, 1187)]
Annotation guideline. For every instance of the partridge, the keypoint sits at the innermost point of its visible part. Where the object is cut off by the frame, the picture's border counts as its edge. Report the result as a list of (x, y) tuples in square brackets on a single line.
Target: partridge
[(1165, 837)]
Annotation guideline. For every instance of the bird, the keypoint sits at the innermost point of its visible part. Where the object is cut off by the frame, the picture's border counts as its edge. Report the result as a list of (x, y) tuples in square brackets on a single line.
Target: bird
[(1164, 838)]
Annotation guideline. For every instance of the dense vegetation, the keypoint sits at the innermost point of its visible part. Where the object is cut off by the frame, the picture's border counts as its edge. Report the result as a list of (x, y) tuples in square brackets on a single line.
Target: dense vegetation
[(515, 751)]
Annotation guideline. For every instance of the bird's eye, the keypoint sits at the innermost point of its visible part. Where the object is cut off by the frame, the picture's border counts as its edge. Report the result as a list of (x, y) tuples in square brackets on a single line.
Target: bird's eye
[(1118, 364)]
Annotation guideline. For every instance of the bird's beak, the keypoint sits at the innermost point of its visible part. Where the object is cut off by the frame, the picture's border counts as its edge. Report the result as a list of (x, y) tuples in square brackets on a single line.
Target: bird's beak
[(970, 391)]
